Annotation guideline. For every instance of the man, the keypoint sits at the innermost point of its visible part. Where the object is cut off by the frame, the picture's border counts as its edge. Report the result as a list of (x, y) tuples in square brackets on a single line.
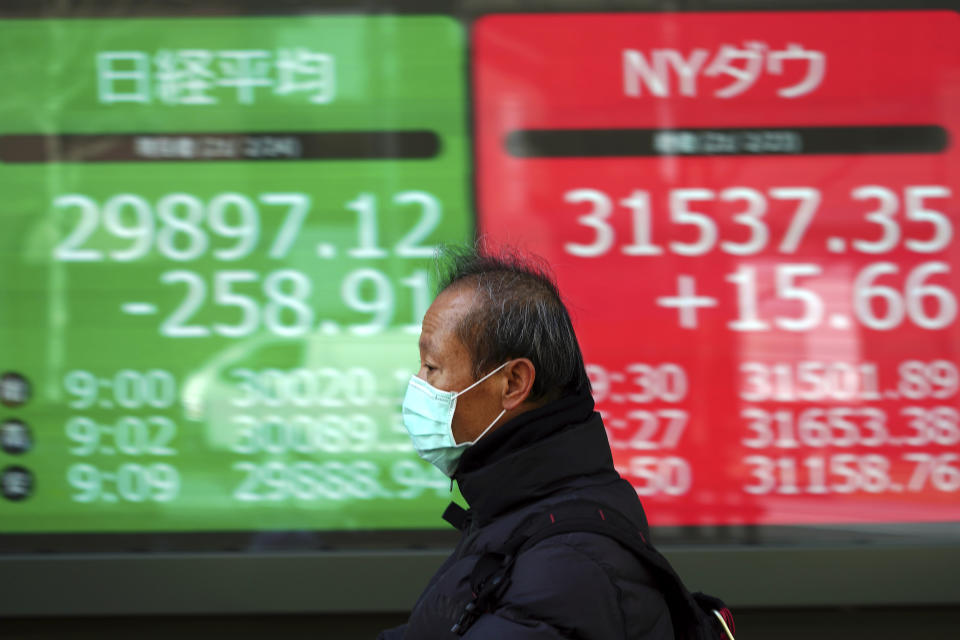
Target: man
[(502, 404)]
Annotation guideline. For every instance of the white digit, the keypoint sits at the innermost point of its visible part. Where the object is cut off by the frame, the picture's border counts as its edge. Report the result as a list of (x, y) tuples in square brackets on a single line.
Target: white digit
[(295, 301), (85, 385), (599, 381), (812, 429), (430, 215), (381, 305), (751, 218), (174, 225), (745, 279), (919, 422), (247, 232), (756, 382), (128, 389), (882, 216), (875, 420), (174, 326), (161, 388), (681, 215), (165, 479), (87, 479), (298, 206), (246, 492), (916, 292), (676, 424), (68, 250), (943, 373), (848, 433), (811, 374), (596, 219), (942, 227), (224, 297), (945, 476), (131, 435), (646, 380), (132, 483), (925, 465), (844, 465), (420, 285), (247, 442), (673, 382), (758, 422), (786, 290), (643, 438), (366, 208), (141, 232), (864, 291), (763, 473), (675, 476), (646, 468), (166, 431), (809, 200), (639, 203), (86, 433), (247, 385)]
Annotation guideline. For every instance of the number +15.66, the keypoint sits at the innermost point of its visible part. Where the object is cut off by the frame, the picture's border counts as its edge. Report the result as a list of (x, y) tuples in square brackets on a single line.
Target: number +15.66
[(873, 300)]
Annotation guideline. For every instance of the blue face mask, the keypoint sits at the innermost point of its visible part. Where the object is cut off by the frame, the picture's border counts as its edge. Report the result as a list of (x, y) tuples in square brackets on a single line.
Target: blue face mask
[(428, 418)]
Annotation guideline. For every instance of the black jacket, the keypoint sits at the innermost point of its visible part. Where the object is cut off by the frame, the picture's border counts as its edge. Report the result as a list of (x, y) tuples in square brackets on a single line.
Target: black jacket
[(579, 585)]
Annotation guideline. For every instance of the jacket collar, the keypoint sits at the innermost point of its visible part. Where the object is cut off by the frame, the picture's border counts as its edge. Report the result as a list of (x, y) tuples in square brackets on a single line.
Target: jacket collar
[(560, 445)]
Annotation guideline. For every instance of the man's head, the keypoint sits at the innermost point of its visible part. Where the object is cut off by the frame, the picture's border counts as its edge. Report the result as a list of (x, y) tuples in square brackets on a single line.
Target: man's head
[(491, 310)]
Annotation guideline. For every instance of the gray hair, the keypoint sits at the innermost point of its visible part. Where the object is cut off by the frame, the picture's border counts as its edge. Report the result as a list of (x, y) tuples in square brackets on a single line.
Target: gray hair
[(518, 313)]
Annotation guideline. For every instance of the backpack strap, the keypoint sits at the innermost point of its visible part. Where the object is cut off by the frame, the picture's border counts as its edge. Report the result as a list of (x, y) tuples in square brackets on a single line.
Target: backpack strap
[(488, 582), (456, 516), (491, 574)]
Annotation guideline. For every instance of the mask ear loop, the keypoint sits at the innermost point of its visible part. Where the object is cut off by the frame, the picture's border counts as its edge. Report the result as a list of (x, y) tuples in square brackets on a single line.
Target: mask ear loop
[(460, 393), (489, 426)]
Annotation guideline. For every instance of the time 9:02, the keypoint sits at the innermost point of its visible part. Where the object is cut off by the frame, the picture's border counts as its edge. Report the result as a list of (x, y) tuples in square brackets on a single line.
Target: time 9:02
[(129, 435)]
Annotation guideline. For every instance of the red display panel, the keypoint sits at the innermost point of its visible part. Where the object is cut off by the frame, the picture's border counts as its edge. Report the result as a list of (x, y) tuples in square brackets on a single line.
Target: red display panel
[(752, 217)]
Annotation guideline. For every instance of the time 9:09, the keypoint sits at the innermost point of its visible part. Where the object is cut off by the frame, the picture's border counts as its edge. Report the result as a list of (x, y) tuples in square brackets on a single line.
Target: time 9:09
[(129, 483)]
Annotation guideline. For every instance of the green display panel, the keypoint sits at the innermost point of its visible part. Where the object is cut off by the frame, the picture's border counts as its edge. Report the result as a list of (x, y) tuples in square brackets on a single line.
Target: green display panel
[(216, 249)]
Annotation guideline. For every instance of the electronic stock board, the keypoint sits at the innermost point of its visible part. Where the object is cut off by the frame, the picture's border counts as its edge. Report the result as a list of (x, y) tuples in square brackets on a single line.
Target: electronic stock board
[(753, 216), (218, 236)]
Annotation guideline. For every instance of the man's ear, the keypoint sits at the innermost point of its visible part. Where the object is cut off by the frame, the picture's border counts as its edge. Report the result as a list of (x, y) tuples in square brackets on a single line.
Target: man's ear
[(519, 375)]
